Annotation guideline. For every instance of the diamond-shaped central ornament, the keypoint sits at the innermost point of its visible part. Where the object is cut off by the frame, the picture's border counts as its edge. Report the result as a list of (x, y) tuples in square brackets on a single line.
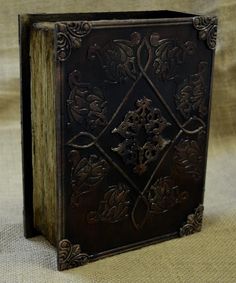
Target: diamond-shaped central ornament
[(141, 130)]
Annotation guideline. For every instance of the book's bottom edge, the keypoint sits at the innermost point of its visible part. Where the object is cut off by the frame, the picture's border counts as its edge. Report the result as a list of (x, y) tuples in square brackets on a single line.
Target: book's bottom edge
[(133, 246), (78, 258)]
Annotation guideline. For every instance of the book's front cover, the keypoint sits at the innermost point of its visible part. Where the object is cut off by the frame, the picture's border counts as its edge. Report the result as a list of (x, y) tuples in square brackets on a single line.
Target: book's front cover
[(133, 110)]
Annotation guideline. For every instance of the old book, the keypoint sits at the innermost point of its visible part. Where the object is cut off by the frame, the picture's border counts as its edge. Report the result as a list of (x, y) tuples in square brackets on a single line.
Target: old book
[(115, 122)]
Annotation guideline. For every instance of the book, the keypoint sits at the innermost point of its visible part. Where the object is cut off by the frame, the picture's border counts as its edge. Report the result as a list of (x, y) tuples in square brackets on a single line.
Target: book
[(115, 111)]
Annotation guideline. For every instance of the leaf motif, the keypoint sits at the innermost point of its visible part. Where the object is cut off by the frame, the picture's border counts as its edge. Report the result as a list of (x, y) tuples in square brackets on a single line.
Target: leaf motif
[(78, 29), (202, 22), (64, 250), (163, 195), (168, 55), (207, 27), (86, 173), (189, 157), (194, 222), (191, 98), (114, 206), (118, 58), (93, 172), (70, 256), (86, 104), (69, 36)]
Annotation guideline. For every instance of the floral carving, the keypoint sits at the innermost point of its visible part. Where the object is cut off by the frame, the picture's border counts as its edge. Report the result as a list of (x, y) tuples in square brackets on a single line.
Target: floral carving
[(168, 55), (70, 255), (86, 173), (113, 208), (194, 222), (118, 58), (164, 195), (207, 27), (142, 133), (189, 156), (69, 35), (86, 104), (191, 98)]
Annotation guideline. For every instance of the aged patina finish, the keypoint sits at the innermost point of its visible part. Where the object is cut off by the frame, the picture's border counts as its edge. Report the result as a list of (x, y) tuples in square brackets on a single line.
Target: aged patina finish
[(133, 102)]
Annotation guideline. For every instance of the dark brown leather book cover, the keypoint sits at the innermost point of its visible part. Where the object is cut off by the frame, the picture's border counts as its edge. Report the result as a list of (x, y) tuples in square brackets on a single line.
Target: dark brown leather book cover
[(133, 102)]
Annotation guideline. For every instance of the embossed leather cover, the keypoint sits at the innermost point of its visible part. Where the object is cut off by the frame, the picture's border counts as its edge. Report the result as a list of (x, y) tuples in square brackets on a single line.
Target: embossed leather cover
[(133, 105)]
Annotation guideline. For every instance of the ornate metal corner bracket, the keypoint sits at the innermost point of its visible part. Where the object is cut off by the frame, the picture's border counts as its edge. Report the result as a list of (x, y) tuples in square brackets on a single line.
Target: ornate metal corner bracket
[(207, 27), (70, 256), (194, 222), (69, 35)]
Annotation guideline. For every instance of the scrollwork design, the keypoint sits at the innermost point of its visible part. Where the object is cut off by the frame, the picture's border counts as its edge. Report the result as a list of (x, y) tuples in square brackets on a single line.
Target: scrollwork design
[(86, 173), (194, 222), (164, 195), (70, 256), (86, 104), (207, 27), (142, 133), (191, 97), (113, 208), (69, 35)]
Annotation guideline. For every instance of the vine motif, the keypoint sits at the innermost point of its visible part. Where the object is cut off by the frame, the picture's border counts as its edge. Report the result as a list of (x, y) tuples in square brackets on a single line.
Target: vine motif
[(194, 222), (191, 98), (70, 256), (189, 156), (207, 27), (113, 208), (142, 133), (118, 58), (86, 173), (168, 55), (164, 195), (70, 36), (86, 104)]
